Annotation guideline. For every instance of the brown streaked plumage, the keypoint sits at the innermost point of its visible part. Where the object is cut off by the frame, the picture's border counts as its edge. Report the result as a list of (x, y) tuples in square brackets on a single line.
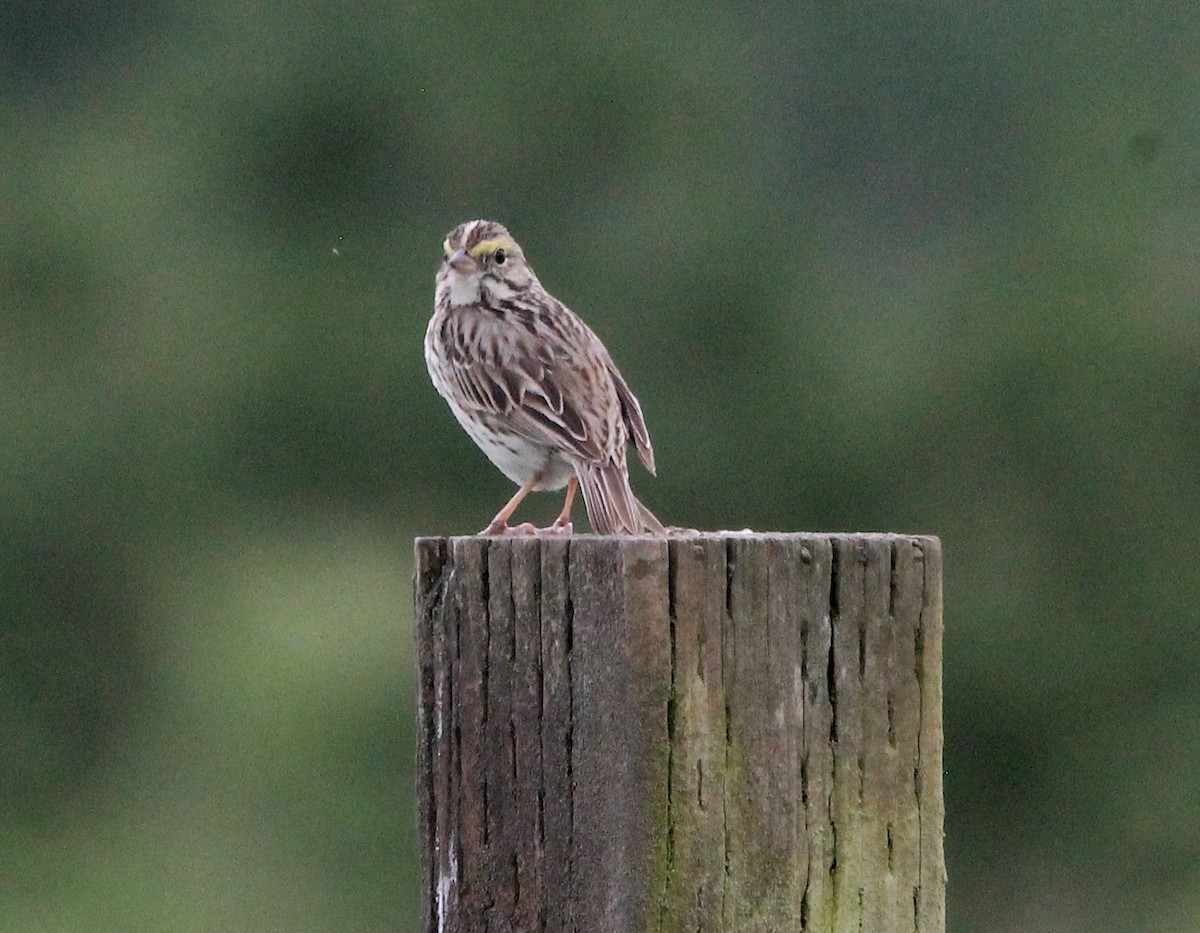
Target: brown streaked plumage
[(533, 385)]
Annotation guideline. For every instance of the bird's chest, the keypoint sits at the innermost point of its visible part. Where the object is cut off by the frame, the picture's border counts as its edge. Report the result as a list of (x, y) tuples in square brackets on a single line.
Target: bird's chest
[(516, 456)]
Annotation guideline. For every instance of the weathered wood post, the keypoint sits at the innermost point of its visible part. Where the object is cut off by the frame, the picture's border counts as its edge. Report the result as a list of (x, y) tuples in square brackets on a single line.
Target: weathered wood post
[(712, 732)]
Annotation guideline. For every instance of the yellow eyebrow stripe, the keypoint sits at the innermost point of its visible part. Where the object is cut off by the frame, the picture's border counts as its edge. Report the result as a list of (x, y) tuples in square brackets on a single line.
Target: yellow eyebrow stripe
[(446, 246), (485, 247)]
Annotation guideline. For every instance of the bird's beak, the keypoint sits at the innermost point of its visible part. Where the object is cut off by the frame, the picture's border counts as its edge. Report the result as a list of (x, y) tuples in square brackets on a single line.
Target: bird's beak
[(460, 261)]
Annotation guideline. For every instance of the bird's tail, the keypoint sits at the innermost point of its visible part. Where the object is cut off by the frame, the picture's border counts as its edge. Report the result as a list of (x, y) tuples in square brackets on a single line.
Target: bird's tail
[(612, 507)]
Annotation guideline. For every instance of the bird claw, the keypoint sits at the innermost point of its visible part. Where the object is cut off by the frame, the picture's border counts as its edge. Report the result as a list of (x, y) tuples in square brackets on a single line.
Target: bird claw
[(503, 529)]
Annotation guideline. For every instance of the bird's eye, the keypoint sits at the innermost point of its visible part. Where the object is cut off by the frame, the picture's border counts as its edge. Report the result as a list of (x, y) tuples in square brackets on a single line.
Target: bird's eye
[(500, 256)]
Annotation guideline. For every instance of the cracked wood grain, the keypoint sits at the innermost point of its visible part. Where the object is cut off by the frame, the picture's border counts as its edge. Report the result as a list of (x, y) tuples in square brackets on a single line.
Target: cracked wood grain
[(701, 733)]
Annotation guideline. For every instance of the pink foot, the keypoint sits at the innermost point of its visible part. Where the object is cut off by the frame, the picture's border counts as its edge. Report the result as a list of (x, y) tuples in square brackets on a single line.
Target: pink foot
[(503, 529), (564, 529)]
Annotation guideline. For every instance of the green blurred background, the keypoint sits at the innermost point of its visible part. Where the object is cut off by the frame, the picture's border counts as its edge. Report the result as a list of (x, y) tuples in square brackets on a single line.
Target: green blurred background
[(921, 267)]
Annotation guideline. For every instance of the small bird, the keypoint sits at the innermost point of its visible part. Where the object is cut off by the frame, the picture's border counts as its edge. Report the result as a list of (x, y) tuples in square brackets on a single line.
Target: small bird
[(533, 385)]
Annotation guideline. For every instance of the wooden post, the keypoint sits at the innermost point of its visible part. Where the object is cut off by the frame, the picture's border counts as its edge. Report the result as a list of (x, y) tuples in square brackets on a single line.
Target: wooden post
[(713, 732)]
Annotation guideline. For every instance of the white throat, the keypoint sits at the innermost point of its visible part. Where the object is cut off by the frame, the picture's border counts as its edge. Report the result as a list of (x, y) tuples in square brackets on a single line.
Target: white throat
[(464, 289)]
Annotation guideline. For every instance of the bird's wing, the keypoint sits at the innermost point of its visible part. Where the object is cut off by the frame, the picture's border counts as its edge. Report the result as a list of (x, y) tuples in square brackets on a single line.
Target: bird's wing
[(545, 392), (631, 412)]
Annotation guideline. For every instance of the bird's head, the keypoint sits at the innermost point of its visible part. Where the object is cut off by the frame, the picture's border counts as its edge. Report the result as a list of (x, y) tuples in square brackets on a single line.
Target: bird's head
[(481, 255)]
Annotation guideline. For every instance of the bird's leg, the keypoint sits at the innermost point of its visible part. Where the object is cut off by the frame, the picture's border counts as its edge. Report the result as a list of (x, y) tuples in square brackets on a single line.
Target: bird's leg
[(562, 525), (499, 525)]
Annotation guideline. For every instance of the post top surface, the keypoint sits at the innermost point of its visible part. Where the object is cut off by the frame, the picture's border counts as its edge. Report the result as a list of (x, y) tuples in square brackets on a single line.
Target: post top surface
[(692, 535)]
